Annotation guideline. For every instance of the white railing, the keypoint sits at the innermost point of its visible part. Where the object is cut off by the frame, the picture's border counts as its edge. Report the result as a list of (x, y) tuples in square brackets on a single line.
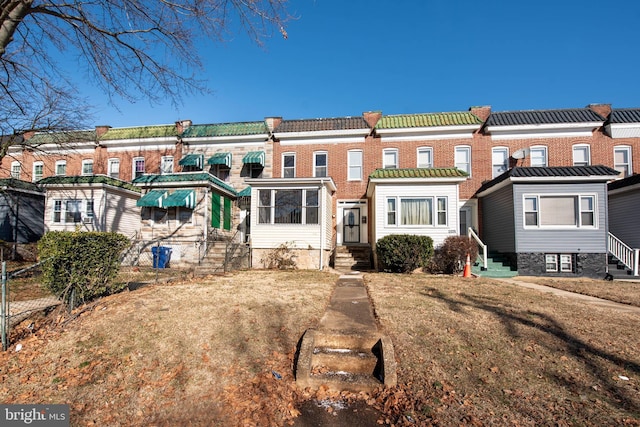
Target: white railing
[(472, 235), (625, 254)]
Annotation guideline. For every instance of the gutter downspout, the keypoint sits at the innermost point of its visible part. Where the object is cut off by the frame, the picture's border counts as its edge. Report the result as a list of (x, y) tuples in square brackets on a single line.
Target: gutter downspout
[(322, 223), (205, 231)]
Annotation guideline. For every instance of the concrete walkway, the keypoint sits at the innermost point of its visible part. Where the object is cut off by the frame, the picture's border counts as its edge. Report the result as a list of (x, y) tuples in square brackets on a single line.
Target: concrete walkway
[(584, 298)]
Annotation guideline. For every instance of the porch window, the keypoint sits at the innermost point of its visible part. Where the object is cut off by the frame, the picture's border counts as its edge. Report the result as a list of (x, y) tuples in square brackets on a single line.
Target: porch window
[(416, 211), (72, 211), (288, 206), (441, 207), (563, 211), (391, 211)]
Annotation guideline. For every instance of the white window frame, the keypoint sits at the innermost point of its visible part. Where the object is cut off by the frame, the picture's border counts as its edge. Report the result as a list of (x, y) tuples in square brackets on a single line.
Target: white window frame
[(317, 170), (580, 147), (466, 166), (390, 159), (554, 263), (60, 210), (306, 208), (110, 166), (498, 169), (551, 263), (354, 169), (579, 211), (625, 169), (165, 162), (545, 160), (85, 164), (38, 165), (428, 151), (134, 167), (288, 171), (61, 168), (566, 263), (396, 212), (15, 169)]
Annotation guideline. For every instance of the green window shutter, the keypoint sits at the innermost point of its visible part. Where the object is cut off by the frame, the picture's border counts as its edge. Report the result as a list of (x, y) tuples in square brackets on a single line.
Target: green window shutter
[(215, 210), (227, 214)]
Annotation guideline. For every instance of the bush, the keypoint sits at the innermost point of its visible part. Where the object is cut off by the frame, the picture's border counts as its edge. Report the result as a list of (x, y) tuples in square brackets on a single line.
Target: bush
[(82, 264), (281, 258), (403, 253), (451, 256)]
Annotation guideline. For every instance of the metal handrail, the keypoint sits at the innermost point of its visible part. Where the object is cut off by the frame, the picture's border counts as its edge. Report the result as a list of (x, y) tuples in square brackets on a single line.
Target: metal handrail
[(472, 235), (625, 254)]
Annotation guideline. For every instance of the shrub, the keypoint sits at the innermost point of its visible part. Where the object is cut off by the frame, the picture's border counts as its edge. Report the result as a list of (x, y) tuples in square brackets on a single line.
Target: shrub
[(82, 264), (450, 257), (403, 253), (281, 258)]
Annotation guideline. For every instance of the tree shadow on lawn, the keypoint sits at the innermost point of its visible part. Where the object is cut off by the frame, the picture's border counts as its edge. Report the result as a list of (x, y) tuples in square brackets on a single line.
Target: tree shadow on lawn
[(512, 317)]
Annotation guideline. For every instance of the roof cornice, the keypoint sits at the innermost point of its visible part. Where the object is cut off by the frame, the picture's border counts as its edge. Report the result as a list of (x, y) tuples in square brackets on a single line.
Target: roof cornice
[(428, 132), (547, 130), (320, 137)]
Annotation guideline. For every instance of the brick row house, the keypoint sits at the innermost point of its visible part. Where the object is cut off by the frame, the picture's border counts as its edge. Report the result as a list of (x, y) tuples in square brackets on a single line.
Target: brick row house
[(333, 185)]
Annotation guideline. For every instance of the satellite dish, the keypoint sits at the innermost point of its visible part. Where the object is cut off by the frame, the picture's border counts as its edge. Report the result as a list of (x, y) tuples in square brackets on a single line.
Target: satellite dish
[(521, 154)]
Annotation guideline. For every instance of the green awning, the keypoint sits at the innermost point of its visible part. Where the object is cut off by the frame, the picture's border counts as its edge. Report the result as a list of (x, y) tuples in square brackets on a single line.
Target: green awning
[(152, 199), (181, 199), (196, 160), (256, 157), (220, 159)]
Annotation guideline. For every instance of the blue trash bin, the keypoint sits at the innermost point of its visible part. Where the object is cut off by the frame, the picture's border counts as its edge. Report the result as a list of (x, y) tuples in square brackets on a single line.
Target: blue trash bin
[(161, 255)]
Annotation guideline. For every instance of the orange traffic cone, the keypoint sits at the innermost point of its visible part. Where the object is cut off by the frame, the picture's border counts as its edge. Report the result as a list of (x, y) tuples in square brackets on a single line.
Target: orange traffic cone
[(467, 268)]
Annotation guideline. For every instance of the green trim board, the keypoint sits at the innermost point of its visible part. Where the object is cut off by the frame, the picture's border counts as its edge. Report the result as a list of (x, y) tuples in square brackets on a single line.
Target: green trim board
[(220, 159), (215, 210), (196, 160), (254, 157), (226, 215)]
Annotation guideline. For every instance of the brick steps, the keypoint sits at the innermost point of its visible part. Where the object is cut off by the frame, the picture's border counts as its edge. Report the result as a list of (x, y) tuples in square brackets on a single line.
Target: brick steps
[(356, 257)]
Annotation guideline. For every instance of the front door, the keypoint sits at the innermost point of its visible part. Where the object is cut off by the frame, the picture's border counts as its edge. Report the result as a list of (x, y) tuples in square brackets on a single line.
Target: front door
[(351, 225)]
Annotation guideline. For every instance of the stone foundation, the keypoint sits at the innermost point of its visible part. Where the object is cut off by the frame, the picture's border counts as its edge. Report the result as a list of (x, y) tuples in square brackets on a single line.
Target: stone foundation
[(305, 259), (584, 265)]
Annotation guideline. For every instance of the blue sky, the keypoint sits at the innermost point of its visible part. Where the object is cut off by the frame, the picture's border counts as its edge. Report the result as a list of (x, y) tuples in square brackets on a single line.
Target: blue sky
[(343, 57)]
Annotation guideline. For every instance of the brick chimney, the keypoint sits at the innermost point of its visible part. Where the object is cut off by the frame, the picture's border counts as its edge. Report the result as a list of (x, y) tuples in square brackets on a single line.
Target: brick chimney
[(372, 117), (603, 109), (482, 112), (272, 122), (182, 125), (101, 130)]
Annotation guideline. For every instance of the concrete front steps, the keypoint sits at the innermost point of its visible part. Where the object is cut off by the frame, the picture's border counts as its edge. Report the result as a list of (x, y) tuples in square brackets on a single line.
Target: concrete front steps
[(617, 269), (346, 352), (345, 362), (216, 257), (496, 267), (353, 257)]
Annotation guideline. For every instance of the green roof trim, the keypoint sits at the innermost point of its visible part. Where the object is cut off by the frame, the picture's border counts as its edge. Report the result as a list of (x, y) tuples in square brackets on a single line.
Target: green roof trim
[(192, 160), (173, 178), (220, 159), (140, 132), (180, 199), (153, 199), (226, 129), (254, 157), (418, 173), (461, 118), (245, 193), (18, 184), (88, 179), (62, 137)]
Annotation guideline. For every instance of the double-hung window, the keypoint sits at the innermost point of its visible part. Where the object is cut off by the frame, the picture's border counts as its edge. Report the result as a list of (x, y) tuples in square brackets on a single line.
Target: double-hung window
[(390, 158), (538, 156), (114, 168), (87, 167), (425, 157), (560, 211), (288, 165), (622, 160), (72, 211), (565, 264), (166, 165), (581, 155), (354, 165), (15, 170), (38, 170), (61, 167), (320, 164), (288, 206), (499, 160), (463, 159), (138, 167)]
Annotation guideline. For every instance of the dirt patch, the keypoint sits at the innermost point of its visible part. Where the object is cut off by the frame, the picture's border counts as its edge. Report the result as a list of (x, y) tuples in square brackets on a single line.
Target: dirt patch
[(221, 351)]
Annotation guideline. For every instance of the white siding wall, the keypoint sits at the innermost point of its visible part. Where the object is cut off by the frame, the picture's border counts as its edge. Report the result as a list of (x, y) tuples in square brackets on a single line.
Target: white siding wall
[(122, 214), (436, 232)]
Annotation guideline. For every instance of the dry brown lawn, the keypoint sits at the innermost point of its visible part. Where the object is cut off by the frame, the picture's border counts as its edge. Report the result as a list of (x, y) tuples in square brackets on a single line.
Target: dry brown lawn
[(209, 352)]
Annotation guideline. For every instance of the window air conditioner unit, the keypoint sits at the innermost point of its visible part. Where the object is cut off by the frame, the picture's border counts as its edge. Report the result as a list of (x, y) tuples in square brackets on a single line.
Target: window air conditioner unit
[(88, 220)]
